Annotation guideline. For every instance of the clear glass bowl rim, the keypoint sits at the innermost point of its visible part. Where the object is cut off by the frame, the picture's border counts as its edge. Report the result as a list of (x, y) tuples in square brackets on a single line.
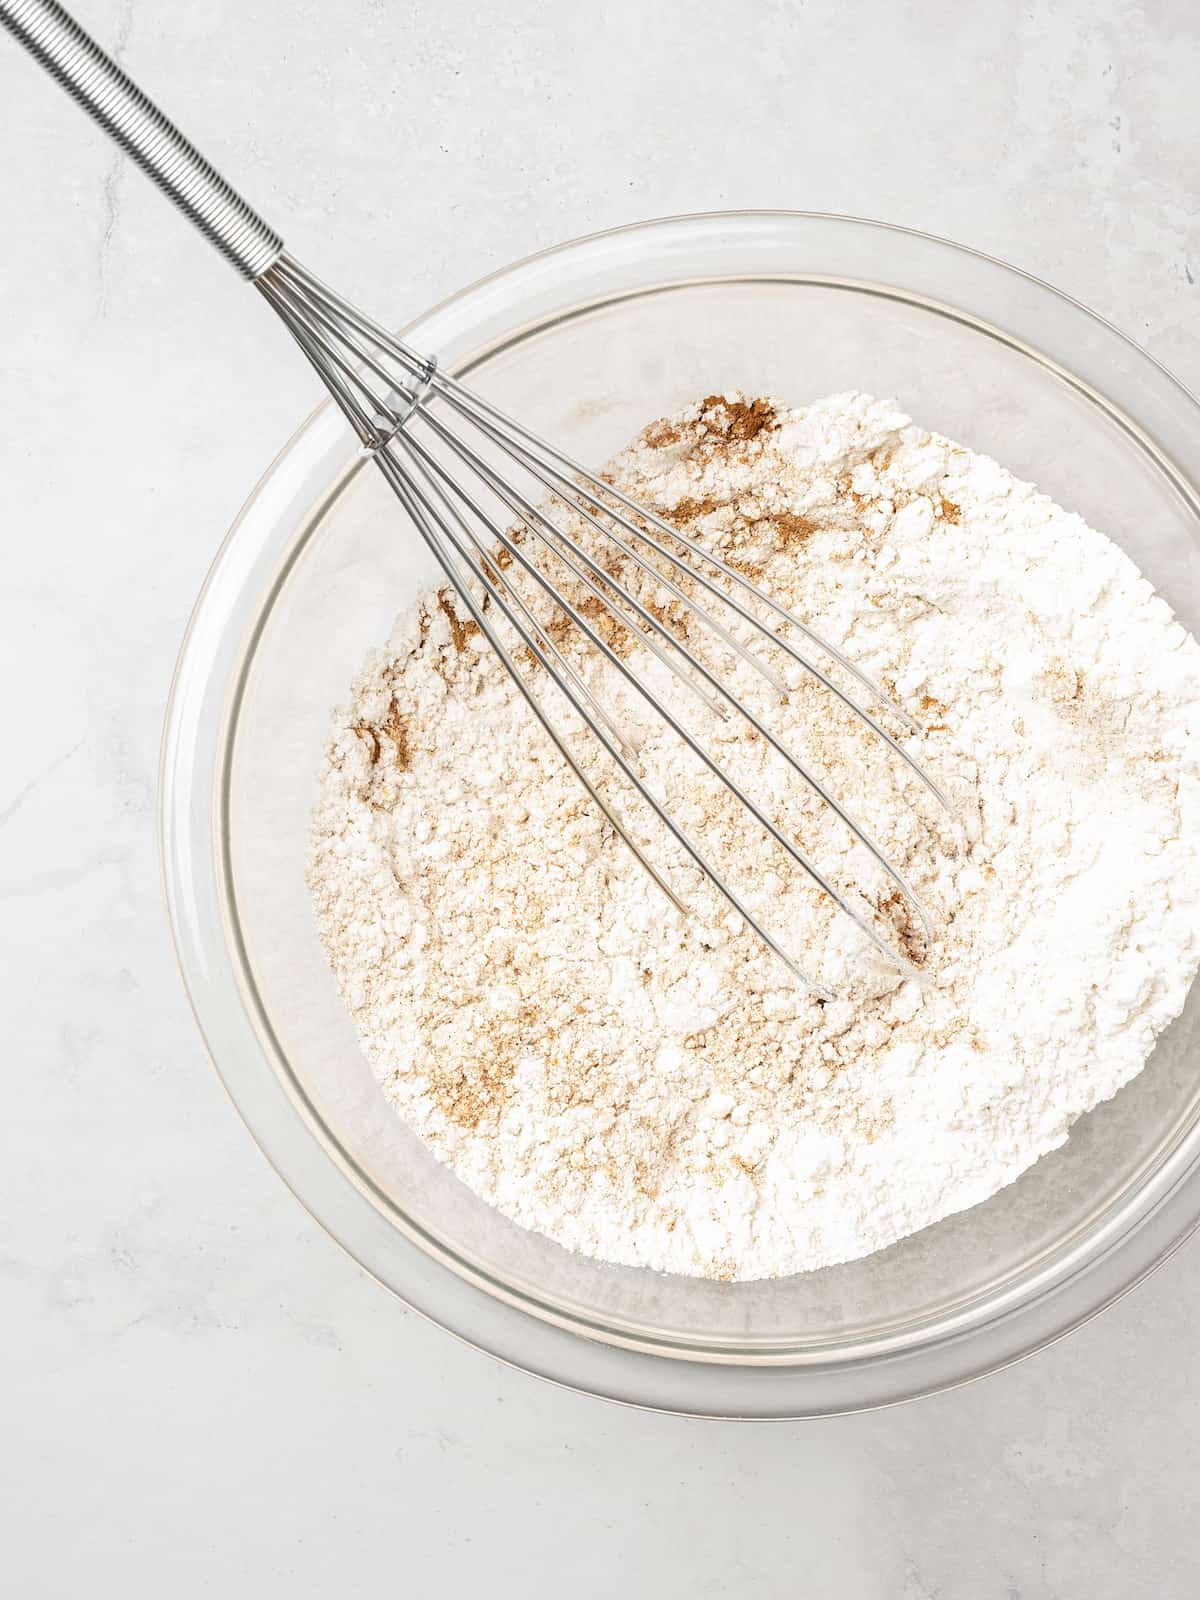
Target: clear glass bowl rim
[(1110, 1260)]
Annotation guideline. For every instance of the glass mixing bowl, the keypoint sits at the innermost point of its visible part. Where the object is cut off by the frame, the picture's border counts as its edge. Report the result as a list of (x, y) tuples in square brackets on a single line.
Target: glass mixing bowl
[(586, 343)]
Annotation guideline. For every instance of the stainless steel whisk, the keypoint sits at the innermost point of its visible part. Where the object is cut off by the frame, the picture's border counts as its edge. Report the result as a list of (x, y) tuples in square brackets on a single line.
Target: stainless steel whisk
[(449, 456)]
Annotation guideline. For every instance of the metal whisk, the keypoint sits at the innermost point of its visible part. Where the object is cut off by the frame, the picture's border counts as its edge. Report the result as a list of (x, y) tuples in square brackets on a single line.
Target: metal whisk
[(460, 467)]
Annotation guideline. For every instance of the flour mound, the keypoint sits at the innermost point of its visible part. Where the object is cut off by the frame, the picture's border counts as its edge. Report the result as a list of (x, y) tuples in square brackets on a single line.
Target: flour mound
[(654, 1089)]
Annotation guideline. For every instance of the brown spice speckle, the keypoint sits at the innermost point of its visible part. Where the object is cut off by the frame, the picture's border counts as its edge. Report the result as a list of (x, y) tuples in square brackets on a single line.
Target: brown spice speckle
[(393, 727), (687, 509), (460, 631), (367, 733), (895, 909), (396, 728), (614, 633), (741, 420), (660, 434), (754, 570), (793, 530), (471, 1094)]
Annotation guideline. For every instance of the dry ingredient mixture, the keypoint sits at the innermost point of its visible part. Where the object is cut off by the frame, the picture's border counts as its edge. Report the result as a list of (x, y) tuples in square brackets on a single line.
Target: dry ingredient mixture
[(654, 1089)]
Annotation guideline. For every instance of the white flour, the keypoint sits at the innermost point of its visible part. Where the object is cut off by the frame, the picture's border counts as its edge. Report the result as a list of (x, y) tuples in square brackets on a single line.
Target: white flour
[(654, 1090)]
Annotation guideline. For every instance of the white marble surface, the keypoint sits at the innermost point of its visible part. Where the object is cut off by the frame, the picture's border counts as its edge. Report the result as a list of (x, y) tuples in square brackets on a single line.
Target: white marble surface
[(201, 1394)]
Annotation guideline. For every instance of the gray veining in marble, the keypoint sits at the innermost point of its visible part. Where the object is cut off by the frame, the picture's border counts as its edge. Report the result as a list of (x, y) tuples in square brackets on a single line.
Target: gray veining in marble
[(202, 1395)]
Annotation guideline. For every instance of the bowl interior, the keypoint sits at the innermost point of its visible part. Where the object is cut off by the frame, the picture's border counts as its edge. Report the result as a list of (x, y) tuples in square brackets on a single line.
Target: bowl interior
[(588, 376)]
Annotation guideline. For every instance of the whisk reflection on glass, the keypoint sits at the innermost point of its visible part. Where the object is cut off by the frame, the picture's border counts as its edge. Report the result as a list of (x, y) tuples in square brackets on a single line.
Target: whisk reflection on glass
[(495, 503)]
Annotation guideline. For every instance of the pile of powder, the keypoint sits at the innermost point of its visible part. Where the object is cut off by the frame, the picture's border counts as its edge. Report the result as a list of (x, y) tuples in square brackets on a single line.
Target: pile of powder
[(654, 1089)]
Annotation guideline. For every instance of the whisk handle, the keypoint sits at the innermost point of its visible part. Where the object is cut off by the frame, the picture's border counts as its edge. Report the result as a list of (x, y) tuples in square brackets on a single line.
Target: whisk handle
[(94, 79)]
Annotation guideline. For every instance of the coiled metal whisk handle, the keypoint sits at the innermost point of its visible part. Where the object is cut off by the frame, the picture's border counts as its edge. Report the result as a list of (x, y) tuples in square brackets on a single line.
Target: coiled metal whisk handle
[(112, 98)]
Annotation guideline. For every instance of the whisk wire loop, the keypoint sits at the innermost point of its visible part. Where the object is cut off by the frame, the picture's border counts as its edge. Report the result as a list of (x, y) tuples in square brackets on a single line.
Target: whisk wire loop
[(386, 389), (567, 476)]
